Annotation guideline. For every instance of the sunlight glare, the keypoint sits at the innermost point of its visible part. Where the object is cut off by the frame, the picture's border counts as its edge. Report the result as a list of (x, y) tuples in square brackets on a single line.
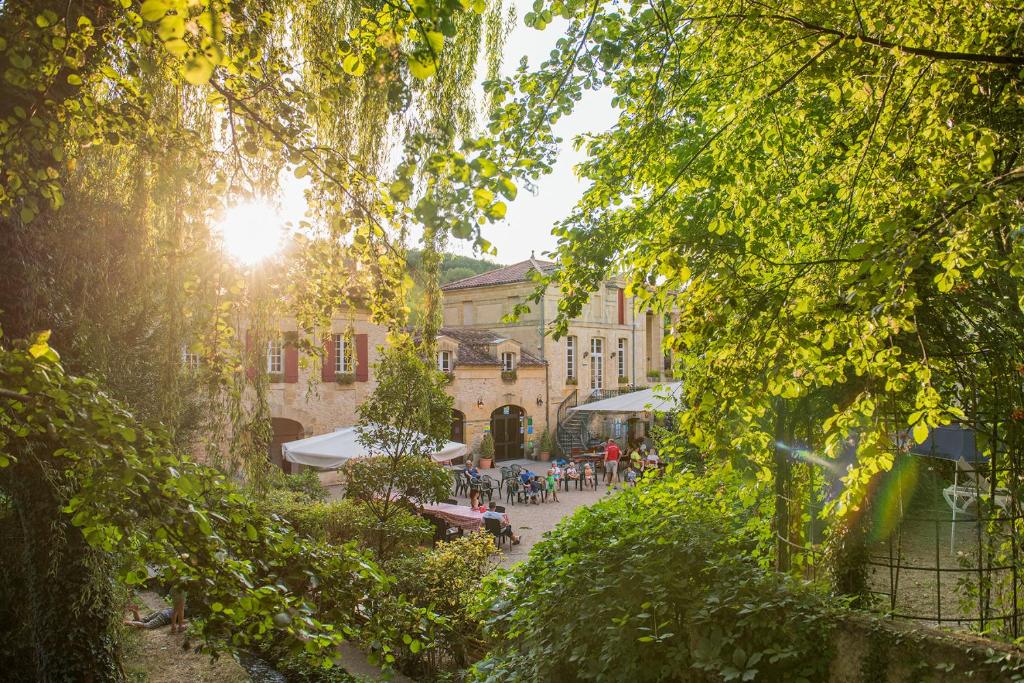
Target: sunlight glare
[(251, 231)]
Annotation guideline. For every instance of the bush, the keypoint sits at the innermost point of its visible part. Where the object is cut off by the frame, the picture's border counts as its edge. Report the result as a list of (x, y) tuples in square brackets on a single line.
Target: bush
[(307, 483), (445, 580), (547, 444), (340, 521), (656, 583)]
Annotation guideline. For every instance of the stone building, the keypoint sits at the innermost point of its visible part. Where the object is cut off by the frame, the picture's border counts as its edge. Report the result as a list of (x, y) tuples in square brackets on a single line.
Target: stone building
[(508, 379), (609, 346), (498, 386), (308, 397)]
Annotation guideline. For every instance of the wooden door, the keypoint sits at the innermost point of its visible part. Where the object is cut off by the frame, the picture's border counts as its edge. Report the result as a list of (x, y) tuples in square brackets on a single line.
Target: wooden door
[(507, 431)]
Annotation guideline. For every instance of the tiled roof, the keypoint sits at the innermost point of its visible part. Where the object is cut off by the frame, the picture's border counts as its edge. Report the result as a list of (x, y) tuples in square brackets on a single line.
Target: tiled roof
[(474, 347), (517, 272)]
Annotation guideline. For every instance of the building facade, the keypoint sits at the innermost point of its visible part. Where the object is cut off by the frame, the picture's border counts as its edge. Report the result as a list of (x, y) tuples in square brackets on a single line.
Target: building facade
[(506, 379), (497, 387), (307, 396), (610, 345)]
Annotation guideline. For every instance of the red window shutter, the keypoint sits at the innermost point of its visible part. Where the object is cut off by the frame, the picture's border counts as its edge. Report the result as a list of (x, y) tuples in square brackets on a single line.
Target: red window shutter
[(291, 360), (362, 359), (250, 369), (622, 306), (330, 355)]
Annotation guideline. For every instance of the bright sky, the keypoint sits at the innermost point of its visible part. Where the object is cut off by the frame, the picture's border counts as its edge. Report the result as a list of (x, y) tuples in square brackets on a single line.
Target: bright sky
[(528, 223), (251, 231)]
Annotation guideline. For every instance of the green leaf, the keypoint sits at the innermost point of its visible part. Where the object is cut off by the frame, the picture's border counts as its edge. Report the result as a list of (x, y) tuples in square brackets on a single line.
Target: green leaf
[(422, 67), (497, 211), (401, 189), (486, 167), (507, 188), (436, 41), (353, 65), (154, 10), (198, 70), (920, 432), (482, 197)]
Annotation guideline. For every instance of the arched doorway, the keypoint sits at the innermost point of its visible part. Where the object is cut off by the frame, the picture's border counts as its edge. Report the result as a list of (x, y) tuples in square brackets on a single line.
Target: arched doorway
[(284, 431), (507, 427), (458, 433)]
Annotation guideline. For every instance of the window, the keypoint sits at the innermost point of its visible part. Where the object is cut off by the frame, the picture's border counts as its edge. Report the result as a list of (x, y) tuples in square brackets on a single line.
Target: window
[(275, 358), (343, 359), (570, 357), (508, 362), (190, 359), (596, 363), (444, 361), (622, 357)]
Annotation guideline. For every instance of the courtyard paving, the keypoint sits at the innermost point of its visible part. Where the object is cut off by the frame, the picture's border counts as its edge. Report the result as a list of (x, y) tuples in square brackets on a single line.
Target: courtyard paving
[(532, 521)]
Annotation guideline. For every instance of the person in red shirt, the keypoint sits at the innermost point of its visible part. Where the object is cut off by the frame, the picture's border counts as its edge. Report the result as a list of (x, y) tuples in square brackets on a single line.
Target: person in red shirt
[(611, 461)]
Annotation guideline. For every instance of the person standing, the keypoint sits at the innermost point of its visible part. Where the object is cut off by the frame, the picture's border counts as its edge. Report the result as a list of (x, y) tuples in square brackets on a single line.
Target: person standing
[(611, 461), (178, 609)]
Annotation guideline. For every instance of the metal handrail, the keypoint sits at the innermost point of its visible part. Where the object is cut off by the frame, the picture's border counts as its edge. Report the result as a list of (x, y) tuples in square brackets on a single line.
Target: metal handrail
[(570, 401)]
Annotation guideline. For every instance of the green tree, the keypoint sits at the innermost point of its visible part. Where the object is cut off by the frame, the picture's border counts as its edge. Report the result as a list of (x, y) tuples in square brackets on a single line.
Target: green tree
[(827, 193), (402, 423)]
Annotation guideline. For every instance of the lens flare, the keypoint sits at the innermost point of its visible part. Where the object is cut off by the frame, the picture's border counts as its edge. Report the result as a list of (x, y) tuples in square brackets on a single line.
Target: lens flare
[(889, 497)]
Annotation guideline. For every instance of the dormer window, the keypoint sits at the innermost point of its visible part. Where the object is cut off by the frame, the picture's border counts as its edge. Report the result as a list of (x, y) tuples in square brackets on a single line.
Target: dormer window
[(444, 361), (508, 361)]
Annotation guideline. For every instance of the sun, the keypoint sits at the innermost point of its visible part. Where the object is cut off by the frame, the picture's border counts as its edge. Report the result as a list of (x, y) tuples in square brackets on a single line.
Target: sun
[(251, 231)]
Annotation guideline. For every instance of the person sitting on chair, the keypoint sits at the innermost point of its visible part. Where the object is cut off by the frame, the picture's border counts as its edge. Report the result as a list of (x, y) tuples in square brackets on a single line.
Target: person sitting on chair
[(506, 527), (571, 471), (589, 478)]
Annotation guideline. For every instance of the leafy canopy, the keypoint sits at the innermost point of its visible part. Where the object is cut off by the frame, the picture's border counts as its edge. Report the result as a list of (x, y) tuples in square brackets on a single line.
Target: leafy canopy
[(826, 197), (131, 496)]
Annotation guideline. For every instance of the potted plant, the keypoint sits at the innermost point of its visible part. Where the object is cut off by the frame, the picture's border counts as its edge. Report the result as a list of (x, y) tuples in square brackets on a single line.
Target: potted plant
[(509, 375), (344, 378), (653, 374), (623, 379), (571, 381), (546, 445), (486, 452)]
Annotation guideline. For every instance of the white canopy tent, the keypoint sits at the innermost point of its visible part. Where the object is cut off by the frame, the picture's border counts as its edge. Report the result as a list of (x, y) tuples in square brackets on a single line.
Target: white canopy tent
[(661, 398), (331, 451)]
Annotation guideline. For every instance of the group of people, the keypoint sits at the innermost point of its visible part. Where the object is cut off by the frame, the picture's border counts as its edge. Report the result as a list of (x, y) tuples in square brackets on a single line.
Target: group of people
[(535, 487), (639, 460)]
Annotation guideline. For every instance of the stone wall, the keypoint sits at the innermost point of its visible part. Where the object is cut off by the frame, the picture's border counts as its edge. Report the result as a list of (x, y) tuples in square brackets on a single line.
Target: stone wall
[(471, 384), (322, 407), (869, 650)]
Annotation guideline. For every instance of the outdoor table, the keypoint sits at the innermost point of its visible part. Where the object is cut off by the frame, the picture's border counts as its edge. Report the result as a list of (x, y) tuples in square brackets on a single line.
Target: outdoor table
[(461, 516)]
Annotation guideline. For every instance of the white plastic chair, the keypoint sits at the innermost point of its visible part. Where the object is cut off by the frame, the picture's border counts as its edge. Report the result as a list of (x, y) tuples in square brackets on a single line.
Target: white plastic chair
[(968, 486)]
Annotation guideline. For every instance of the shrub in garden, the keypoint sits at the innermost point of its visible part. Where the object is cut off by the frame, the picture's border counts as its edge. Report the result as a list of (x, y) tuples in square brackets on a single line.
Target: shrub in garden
[(657, 583), (445, 580)]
